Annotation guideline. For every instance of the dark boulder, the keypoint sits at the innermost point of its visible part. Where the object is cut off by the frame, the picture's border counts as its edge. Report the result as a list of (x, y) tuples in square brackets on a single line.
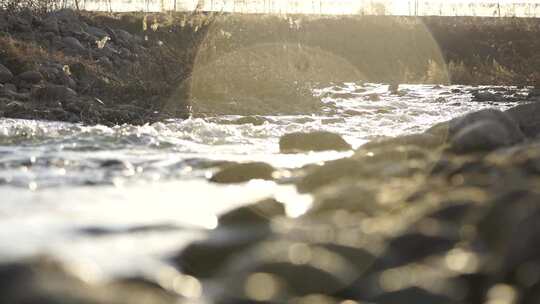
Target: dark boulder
[(254, 120), (456, 124), (54, 92), (48, 282), (20, 24), (313, 141), (32, 77), (238, 230), (97, 32), (239, 173), (73, 45), (414, 295), (482, 136), (421, 140), (486, 96), (483, 131), (528, 118), (50, 24), (204, 259), (123, 35), (5, 74), (291, 269), (254, 214)]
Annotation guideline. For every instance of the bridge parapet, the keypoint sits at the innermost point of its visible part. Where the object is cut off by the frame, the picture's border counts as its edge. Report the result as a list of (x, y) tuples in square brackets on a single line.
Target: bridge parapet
[(490, 8)]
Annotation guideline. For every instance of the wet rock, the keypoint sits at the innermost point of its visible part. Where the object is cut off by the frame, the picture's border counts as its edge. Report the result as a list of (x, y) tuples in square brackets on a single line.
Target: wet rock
[(528, 118), (455, 125), (254, 214), (284, 267), (115, 164), (254, 120), (355, 113), (483, 96), (238, 230), (414, 295), (5, 74), (482, 136), (414, 246), (346, 195), (509, 228), (239, 173), (373, 97), (54, 92), (454, 212), (395, 161), (32, 77), (48, 282), (314, 141), (330, 121), (421, 140), (483, 131), (331, 172), (204, 259)]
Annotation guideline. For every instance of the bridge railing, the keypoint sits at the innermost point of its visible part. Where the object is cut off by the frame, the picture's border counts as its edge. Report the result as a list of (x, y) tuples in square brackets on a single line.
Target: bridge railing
[(518, 8)]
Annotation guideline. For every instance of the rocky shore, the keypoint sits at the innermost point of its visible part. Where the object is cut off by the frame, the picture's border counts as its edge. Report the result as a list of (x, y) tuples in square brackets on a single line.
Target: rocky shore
[(137, 68), (445, 216), (95, 69)]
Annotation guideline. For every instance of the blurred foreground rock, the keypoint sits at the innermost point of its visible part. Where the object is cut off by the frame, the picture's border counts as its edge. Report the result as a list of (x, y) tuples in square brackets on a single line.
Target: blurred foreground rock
[(446, 216), (47, 282)]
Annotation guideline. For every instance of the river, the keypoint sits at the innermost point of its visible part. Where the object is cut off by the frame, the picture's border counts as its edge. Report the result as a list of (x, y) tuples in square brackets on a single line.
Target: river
[(80, 193)]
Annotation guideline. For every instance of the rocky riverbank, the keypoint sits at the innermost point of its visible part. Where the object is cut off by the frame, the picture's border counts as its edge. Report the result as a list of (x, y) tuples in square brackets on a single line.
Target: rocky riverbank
[(444, 216), (136, 68), (95, 69)]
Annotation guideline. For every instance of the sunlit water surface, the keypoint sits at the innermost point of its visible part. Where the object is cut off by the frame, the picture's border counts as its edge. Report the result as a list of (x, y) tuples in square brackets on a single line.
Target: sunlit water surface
[(118, 201)]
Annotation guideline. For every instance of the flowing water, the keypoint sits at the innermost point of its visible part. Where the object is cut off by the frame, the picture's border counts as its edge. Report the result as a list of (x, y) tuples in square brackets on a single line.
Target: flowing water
[(120, 200)]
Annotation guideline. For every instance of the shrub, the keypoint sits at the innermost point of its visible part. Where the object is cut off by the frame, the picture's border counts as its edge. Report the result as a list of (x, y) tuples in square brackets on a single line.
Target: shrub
[(36, 6)]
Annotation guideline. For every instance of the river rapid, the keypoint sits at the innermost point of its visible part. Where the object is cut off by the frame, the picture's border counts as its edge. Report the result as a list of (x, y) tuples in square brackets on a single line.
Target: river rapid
[(119, 201)]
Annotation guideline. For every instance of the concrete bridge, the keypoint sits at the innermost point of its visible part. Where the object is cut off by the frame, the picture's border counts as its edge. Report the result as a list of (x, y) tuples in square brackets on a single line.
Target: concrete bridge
[(491, 8)]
